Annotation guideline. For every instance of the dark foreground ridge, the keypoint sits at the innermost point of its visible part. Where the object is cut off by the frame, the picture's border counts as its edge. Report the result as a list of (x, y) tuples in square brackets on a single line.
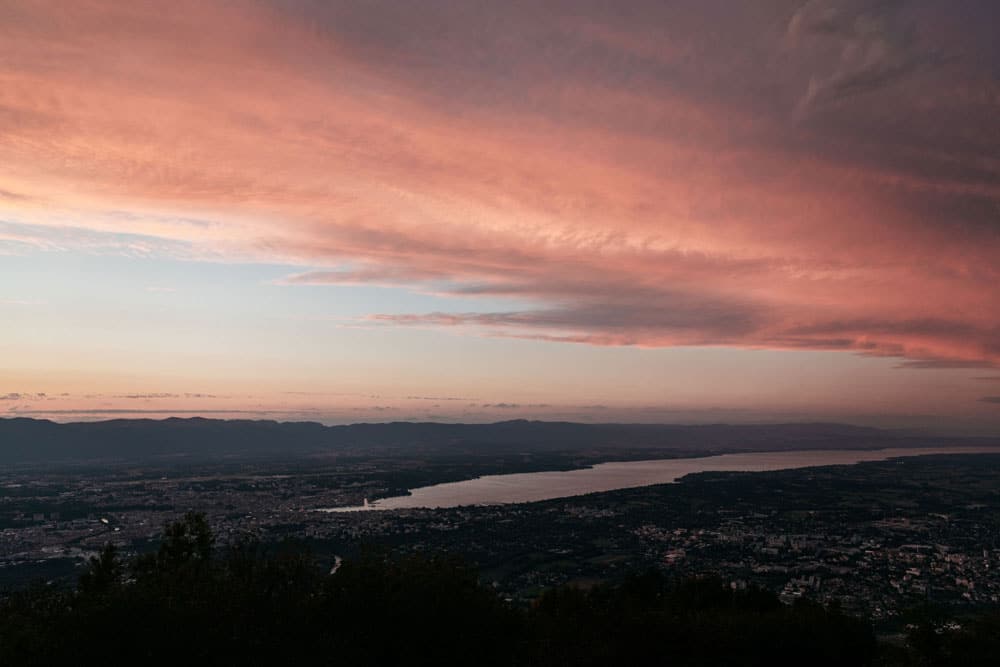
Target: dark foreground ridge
[(40, 441), (190, 603)]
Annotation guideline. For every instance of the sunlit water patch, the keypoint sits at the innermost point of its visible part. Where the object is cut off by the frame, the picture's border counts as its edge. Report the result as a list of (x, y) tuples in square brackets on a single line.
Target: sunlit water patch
[(536, 486)]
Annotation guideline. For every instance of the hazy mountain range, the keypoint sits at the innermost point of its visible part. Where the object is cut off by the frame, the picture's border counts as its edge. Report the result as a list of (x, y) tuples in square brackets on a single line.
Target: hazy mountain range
[(40, 441)]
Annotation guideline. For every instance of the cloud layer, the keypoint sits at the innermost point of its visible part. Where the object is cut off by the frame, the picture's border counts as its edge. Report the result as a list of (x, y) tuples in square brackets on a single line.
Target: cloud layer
[(788, 175)]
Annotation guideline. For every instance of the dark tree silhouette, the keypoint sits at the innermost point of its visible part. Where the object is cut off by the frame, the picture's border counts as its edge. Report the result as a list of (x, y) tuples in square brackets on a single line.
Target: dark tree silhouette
[(103, 572), (248, 603)]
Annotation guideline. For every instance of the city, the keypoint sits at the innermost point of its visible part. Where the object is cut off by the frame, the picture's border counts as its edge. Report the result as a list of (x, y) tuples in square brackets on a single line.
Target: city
[(855, 536)]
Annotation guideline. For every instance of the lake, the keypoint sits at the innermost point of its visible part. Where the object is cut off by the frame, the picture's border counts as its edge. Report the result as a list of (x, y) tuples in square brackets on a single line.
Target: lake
[(535, 486)]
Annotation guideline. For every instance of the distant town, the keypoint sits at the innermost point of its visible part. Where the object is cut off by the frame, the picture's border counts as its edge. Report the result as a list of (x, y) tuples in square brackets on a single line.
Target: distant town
[(874, 538)]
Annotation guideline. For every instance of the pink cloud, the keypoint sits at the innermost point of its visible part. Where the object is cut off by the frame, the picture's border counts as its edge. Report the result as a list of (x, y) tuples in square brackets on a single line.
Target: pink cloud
[(635, 179)]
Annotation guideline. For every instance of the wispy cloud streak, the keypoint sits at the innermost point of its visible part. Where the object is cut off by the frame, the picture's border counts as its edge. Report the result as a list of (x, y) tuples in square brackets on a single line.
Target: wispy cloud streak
[(817, 175)]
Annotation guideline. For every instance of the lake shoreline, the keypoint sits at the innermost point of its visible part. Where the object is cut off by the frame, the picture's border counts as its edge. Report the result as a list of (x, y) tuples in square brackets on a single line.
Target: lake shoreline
[(516, 488)]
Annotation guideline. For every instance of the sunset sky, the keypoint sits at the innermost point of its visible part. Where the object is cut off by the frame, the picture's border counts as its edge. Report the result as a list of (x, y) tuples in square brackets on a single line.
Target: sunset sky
[(466, 210)]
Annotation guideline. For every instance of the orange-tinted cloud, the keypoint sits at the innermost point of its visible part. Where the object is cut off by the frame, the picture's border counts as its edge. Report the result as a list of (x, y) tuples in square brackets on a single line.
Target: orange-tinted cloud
[(818, 175)]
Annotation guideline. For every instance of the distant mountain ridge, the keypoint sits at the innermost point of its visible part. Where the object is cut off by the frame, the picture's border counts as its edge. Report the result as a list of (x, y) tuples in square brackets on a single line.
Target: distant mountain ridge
[(25, 440)]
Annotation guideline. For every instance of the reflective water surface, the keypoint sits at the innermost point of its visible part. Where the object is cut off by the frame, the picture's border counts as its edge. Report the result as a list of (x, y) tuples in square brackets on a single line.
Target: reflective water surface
[(535, 486)]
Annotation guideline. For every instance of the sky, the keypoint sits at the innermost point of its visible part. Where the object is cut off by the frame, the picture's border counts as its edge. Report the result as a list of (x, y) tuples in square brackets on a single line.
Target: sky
[(469, 210)]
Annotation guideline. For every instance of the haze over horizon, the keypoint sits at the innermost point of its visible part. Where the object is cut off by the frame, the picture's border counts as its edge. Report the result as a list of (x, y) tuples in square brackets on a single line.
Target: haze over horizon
[(698, 211)]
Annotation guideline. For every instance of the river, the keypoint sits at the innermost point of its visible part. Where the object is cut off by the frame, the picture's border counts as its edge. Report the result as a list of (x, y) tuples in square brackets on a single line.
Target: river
[(535, 486)]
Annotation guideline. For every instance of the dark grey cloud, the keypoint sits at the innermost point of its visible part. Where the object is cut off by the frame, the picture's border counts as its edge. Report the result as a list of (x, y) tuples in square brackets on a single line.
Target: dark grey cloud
[(943, 364), (874, 44), (693, 321), (696, 315), (990, 399)]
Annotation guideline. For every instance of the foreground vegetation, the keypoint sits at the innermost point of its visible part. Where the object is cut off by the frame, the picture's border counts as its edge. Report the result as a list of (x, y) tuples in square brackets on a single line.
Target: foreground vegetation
[(190, 603)]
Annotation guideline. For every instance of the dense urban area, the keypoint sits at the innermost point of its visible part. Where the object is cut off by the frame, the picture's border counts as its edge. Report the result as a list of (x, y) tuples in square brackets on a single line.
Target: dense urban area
[(874, 538)]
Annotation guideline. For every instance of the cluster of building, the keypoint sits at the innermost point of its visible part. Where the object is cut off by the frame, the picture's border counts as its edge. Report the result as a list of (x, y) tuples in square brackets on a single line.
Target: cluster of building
[(838, 537), (871, 569)]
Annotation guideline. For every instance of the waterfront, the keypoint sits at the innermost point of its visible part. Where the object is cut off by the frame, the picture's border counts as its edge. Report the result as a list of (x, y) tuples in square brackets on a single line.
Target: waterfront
[(537, 486)]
